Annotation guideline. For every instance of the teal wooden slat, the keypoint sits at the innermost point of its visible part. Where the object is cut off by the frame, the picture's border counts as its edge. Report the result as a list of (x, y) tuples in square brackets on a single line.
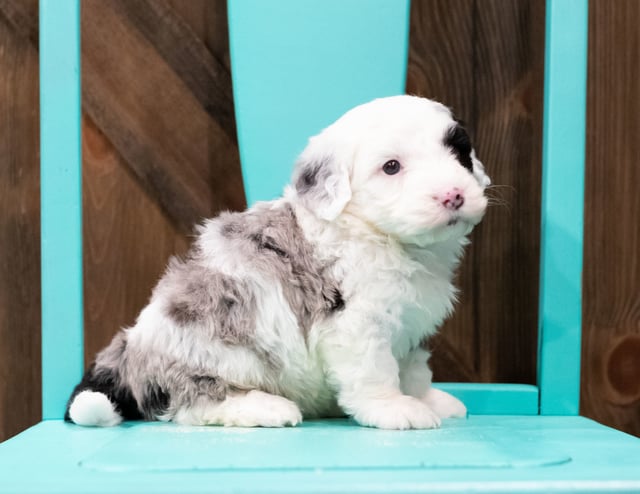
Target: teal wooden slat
[(298, 65), (479, 454), (562, 206), (495, 399), (61, 203)]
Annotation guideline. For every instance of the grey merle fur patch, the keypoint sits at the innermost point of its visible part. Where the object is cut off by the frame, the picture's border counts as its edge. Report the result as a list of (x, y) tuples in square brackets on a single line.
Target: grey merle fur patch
[(274, 242), (222, 304)]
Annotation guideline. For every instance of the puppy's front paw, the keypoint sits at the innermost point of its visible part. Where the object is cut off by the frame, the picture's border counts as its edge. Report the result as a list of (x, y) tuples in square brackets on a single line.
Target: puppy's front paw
[(444, 404), (402, 412)]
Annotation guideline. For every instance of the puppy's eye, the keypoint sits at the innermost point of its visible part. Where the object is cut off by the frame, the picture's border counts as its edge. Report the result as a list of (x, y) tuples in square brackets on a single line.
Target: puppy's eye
[(391, 167)]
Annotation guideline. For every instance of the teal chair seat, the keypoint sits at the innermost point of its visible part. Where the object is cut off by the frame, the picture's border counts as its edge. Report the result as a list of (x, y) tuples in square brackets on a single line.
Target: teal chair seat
[(298, 65)]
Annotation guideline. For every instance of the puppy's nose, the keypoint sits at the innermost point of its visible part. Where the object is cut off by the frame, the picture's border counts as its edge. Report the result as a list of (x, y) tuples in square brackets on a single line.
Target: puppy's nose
[(453, 199)]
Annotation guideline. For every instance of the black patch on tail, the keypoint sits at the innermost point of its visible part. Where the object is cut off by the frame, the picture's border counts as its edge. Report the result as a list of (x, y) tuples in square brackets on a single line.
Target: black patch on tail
[(108, 382)]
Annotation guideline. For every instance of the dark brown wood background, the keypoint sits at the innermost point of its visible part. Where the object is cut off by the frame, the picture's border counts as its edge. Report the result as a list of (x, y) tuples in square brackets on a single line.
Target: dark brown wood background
[(611, 310), (160, 153)]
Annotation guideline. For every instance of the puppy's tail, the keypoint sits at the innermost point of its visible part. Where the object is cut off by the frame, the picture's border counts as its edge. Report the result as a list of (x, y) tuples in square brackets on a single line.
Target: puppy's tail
[(102, 399)]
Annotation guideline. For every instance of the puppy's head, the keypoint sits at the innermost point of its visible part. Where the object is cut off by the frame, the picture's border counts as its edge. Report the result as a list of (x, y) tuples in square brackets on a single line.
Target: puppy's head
[(402, 164)]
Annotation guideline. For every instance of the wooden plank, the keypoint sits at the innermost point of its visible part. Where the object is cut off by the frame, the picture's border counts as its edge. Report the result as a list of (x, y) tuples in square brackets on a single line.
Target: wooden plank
[(22, 15), (183, 152), (208, 79), (20, 383), (208, 20), (611, 281), (154, 121), (127, 243), (509, 83), (489, 70)]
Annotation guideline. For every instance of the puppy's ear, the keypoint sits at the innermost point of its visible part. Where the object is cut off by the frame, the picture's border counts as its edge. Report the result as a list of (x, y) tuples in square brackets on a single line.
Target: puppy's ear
[(321, 180), (478, 171)]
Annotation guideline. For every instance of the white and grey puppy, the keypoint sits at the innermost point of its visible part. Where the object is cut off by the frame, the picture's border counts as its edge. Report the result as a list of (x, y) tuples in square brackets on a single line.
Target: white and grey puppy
[(315, 304)]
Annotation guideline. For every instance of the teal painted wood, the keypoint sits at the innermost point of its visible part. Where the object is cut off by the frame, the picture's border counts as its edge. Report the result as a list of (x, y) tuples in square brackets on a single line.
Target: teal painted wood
[(61, 203), (479, 454), (562, 206), (297, 66), (495, 399)]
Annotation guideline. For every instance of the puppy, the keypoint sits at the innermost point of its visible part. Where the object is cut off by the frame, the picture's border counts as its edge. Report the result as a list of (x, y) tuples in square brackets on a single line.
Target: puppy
[(315, 304)]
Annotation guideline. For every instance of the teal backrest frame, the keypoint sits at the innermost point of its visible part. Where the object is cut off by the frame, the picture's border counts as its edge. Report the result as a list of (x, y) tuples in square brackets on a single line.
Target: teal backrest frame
[(297, 66), (60, 203), (562, 207), (309, 41)]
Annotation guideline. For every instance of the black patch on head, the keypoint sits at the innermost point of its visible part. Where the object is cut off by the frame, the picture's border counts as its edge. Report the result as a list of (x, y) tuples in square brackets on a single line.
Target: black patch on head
[(458, 141), (107, 381), (308, 178), (155, 401)]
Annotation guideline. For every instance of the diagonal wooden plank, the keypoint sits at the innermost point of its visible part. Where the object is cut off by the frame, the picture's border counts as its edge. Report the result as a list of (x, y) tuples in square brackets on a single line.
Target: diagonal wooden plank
[(23, 17), (207, 77), (183, 156), (154, 121), (127, 241), (202, 71)]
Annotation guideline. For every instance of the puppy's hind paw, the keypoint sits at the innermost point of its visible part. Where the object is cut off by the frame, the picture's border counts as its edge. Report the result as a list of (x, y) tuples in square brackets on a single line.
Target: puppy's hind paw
[(402, 412), (244, 409), (260, 409)]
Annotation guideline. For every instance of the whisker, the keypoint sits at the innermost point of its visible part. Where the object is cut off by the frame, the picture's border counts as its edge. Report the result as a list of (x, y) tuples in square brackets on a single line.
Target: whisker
[(495, 198)]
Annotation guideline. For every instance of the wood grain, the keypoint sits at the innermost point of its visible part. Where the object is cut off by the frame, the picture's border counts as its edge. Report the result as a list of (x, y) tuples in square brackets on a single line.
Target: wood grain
[(208, 78), (485, 60), (127, 241), (173, 123), (611, 309), (208, 20), (20, 384), (154, 121), (22, 15)]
